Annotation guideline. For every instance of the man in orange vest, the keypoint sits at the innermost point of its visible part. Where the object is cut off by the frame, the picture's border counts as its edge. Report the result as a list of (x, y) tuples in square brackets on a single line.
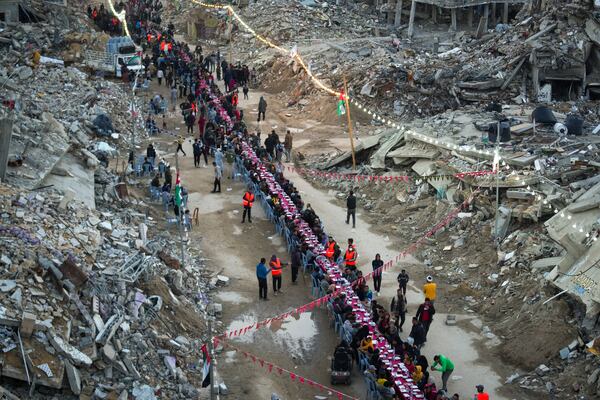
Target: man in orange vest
[(247, 202), (350, 257), (481, 395), (330, 251), (276, 268)]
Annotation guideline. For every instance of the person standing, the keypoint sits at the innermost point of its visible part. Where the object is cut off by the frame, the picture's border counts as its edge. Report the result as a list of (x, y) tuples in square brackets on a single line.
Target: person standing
[(261, 274), (247, 202), (481, 394), (296, 263), (398, 308), (446, 367), (218, 176), (430, 289), (245, 90), (173, 97), (377, 265), (160, 74), (402, 279), (425, 314), (262, 108), (351, 206), (180, 141), (351, 255), (276, 269), (417, 333), (197, 147), (287, 144)]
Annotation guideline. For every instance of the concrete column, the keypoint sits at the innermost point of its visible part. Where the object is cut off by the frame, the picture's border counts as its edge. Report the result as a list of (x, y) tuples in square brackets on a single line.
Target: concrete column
[(493, 15), (505, 13), (470, 17), (434, 11), (454, 24), (6, 125), (411, 20), (486, 17), (398, 16)]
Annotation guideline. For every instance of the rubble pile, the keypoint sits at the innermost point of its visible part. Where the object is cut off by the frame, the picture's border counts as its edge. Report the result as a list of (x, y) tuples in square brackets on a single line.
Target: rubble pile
[(58, 109), (98, 300)]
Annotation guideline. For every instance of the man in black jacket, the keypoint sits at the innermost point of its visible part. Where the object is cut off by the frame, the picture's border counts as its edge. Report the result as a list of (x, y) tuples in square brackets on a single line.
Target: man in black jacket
[(351, 206), (417, 332)]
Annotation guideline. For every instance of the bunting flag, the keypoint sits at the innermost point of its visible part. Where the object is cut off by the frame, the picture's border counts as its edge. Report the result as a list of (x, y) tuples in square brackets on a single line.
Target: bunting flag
[(341, 106), (206, 366), (284, 373)]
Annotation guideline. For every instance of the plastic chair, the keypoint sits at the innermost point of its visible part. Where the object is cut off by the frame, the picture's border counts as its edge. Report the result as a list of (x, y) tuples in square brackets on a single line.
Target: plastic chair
[(315, 287)]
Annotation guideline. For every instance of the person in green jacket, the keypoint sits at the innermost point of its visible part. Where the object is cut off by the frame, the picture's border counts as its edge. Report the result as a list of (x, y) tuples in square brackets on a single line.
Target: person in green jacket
[(445, 367)]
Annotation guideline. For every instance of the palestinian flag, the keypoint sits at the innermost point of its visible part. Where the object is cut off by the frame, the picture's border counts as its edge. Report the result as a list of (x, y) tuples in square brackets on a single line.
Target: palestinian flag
[(178, 190), (341, 106), (206, 367)]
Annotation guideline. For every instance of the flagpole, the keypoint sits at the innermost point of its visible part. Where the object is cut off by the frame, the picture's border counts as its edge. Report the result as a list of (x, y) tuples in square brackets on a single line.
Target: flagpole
[(210, 354), (180, 216), (349, 125)]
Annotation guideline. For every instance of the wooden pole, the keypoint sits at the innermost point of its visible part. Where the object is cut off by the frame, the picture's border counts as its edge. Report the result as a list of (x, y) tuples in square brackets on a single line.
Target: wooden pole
[(349, 124), (6, 126), (230, 38)]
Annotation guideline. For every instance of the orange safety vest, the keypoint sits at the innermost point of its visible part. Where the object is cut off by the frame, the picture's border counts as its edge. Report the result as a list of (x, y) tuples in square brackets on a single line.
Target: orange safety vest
[(248, 199), (350, 258), (275, 267), (483, 396), (330, 249), (234, 100)]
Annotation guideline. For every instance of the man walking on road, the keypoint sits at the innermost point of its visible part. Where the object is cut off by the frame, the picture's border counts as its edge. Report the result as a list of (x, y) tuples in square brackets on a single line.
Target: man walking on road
[(262, 108), (287, 144), (276, 268), (425, 314), (261, 274), (398, 308), (377, 265), (247, 202), (197, 147), (351, 206), (417, 333), (402, 279), (445, 367), (180, 141), (218, 176), (430, 289)]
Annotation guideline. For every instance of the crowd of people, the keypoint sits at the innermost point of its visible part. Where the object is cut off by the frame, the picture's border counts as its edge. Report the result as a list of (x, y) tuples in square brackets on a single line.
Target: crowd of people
[(221, 129)]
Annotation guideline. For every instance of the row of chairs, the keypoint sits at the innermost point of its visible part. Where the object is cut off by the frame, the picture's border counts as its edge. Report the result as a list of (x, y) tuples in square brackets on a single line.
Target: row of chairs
[(335, 319)]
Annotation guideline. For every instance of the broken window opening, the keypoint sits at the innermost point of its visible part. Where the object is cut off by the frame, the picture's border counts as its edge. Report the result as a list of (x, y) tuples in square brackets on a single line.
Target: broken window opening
[(564, 90)]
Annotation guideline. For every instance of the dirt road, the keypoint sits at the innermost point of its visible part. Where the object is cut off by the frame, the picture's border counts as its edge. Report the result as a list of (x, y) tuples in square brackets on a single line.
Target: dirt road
[(304, 344)]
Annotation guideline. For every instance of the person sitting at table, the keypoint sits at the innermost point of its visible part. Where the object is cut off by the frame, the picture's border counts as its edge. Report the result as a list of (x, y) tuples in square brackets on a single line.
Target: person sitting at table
[(360, 334), (340, 306), (349, 275), (387, 391), (371, 373), (384, 323), (326, 284), (366, 344), (408, 363), (364, 294), (350, 324), (430, 391)]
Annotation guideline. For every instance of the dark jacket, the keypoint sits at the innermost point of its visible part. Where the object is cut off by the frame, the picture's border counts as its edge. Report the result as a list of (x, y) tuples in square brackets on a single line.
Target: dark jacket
[(418, 334), (351, 202), (425, 312)]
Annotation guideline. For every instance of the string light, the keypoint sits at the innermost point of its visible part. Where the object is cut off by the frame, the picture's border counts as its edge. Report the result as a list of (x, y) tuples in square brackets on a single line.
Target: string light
[(321, 85)]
